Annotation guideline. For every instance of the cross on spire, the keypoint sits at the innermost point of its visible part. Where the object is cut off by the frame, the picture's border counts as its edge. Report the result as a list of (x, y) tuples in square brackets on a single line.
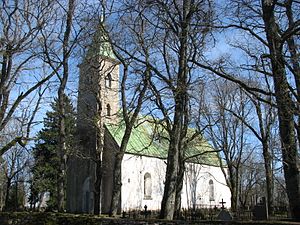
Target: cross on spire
[(222, 202)]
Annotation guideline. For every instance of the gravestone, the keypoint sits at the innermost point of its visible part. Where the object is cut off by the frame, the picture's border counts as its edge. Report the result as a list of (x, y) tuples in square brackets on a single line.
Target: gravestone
[(145, 211), (224, 215), (260, 211)]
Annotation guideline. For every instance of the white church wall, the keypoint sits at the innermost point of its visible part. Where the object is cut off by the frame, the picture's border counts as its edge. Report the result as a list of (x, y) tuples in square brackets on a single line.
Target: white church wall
[(134, 169), (196, 187), (204, 187)]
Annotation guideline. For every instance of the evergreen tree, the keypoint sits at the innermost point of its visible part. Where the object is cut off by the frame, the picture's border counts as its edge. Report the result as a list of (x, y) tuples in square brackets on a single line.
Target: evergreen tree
[(46, 168)]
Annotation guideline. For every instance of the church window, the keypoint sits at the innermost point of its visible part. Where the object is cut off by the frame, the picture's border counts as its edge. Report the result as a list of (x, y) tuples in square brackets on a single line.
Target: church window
[(211, 190), (147, 186), (108, 80), (108, 110), (99, 106), (87, 201)]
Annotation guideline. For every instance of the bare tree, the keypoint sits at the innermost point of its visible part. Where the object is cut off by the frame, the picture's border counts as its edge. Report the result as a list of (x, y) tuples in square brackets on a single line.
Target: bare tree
[(192, 181), (228, 133), (20, 58), (16, 162), (59, 53), (67, 49), (268, 30), (16, 165), (176, 31), (285, 104), (266, 120), (251, 182), (131, 104), (265, 115)]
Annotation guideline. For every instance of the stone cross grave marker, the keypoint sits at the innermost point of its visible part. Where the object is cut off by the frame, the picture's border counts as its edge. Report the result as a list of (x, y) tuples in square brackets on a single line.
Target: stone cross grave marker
[(222, 202), (224, 215)]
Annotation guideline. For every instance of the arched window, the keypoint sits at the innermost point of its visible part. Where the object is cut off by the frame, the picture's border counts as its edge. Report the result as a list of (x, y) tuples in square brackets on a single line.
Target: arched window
[(99, 106), (211, 190), (108, 110), (87, 195), (147, 186), (108, 80)]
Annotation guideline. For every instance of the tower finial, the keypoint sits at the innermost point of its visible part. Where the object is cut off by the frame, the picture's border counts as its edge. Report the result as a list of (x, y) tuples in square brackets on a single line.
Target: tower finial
[(102, 17)]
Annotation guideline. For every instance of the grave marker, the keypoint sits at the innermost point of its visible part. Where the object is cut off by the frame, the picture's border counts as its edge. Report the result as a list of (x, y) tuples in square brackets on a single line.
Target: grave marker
[(260, 211), (224, 215)]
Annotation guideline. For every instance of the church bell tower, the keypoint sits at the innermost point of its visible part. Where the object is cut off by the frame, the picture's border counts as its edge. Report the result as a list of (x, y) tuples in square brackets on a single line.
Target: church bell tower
[(98, 104)]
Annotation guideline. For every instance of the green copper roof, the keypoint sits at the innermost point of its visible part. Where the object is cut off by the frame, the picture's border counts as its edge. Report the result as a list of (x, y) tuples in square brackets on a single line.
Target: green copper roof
[(101, 45), (148, 139)]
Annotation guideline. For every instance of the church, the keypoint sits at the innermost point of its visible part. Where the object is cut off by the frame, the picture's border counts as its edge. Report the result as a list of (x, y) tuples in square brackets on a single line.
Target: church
[(144, 164)]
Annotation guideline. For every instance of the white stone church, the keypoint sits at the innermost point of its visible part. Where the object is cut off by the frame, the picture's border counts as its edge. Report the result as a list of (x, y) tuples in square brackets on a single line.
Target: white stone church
[(144, 164)]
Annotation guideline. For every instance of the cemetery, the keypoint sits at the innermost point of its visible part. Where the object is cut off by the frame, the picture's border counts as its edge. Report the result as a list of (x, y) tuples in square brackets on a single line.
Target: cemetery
[(149, 112), (205, 216), (24, 218)]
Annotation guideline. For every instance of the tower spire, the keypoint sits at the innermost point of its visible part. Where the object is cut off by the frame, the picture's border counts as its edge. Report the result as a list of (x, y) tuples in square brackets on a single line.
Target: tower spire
[(102, 17)]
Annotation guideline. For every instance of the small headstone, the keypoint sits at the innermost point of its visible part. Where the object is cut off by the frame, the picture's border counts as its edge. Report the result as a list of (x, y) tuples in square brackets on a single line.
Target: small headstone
[(260, 211), (224, 215), (146, 212)]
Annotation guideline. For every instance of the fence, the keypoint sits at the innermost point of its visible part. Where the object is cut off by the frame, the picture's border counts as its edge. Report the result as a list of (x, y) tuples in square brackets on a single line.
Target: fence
[(205, 214)]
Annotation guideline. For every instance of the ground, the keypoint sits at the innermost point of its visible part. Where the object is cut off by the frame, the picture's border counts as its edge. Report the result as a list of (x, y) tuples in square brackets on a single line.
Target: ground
[(29, 218)]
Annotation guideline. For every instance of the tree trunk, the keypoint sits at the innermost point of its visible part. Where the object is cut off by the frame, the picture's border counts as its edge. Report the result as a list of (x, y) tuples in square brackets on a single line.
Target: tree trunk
[(61, 100), (62, 169), (233, 188), (117, 179), (129, 123), (98, 161), (234, 200), (179, 189), (97, 185), (294, 52), (168, 201), (265, 136), (269, 177), (178, 131), (117, 185), (62, 151), (98, 155), (6, 202), (285, 109)]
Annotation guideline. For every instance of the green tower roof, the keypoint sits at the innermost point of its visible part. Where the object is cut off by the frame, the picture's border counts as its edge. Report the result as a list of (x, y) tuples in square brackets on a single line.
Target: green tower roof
[(101, 45)]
